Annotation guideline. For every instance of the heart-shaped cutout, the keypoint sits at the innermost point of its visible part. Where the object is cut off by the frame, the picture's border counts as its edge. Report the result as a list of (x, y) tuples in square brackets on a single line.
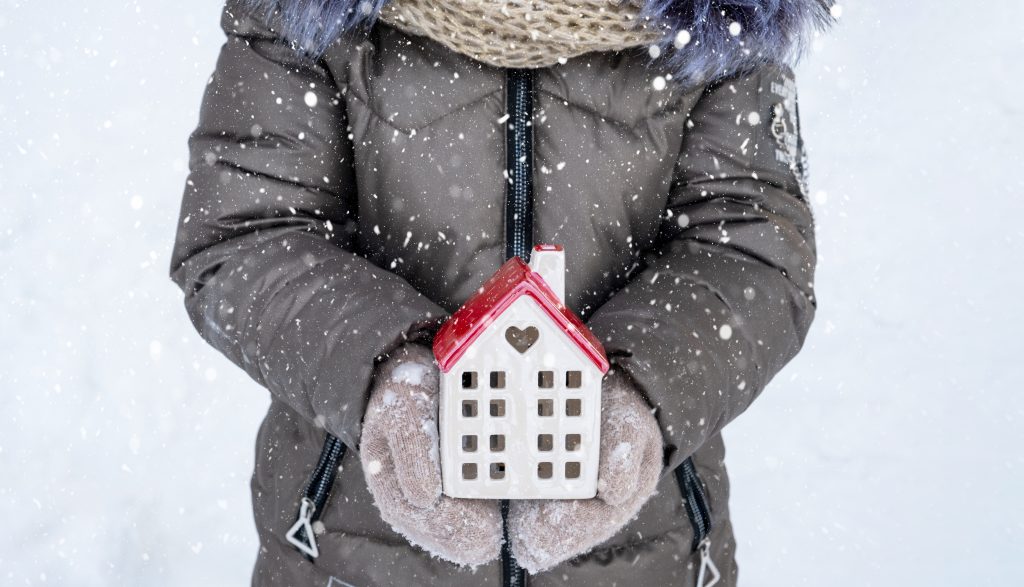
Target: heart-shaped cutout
[(522, 339)]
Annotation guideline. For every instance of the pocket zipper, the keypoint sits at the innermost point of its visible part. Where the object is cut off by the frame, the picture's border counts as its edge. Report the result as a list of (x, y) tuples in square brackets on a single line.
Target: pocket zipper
[(314, 497), (707, 565), (696, 502)]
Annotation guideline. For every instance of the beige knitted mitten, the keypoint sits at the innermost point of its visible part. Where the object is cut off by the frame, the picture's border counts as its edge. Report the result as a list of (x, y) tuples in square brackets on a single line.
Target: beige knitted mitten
[(399, 453), (544, 533)]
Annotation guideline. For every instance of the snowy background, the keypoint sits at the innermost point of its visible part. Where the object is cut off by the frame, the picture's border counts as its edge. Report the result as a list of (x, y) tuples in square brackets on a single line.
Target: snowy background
[(890, 452)]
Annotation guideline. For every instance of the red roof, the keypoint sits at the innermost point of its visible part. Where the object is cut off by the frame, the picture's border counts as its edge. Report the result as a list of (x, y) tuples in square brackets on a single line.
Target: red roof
[(512, 280)]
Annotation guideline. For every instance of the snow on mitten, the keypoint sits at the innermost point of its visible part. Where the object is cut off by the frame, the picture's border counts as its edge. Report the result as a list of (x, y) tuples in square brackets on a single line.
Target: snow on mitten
[(544, 533), (399, 454)]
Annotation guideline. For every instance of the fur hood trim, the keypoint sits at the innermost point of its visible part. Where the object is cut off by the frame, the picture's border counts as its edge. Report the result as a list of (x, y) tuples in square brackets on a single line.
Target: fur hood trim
[(705, 40)]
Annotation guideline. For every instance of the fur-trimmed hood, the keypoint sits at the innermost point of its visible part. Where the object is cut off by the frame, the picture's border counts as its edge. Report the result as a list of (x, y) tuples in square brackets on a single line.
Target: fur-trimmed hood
[(705, 39)]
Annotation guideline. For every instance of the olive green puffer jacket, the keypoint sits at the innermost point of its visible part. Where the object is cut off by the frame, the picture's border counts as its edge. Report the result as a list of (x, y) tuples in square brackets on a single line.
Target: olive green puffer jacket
[(339, 207)]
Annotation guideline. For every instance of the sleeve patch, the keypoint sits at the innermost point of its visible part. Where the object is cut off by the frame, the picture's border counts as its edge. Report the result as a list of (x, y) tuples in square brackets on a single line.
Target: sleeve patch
[(785, 128)]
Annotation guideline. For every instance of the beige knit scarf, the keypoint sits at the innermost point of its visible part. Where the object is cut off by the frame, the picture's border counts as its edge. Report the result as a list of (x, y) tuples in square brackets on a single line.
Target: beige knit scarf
[(524, 33)]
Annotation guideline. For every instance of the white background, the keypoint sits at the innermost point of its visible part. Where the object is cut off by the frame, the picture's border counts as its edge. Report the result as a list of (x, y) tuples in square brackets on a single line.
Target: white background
[(890, 452)]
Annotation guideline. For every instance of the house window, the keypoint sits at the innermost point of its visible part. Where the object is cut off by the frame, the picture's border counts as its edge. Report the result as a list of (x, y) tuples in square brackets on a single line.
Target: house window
[(469, 408), (573, 442), (469, 443), (497, 442), (469, 471), (497, 470), (573, 379), (545, 442), (546, 379), (545, 407), (497, 408), (469, 380), (573, 407), (572, 470), (544, 470), (497, 379)]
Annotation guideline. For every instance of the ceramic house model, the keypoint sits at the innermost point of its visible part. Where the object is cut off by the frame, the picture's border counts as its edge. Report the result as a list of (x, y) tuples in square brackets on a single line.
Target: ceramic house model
[(520, 413)]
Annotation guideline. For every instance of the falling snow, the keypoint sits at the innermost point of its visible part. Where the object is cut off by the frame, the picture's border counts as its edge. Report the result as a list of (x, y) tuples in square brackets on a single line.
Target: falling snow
[(126, 441), (681, 39)]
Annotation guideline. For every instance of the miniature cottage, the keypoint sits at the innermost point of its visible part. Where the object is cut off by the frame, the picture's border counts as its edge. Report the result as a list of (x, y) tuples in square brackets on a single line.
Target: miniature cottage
[(520, 413)]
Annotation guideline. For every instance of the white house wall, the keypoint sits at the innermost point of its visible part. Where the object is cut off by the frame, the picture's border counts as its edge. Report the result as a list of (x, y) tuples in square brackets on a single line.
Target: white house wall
[(521, 425)]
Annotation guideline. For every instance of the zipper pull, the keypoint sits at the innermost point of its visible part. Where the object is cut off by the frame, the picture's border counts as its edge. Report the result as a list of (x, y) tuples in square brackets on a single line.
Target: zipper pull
[(707, 565), (300, 535)]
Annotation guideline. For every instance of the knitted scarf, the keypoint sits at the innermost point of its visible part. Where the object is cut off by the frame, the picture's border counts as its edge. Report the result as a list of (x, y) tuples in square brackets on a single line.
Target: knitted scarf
[(527, 33)]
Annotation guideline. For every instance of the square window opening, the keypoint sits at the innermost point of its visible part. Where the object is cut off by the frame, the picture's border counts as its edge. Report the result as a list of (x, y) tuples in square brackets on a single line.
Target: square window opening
[(469, 443), (469, 380), (497, 408), (573, 407), (497, 442), (574, 379), (545, 407), (497, 470), (545, 379), (469, 471), (572, 470), (497, 379), (573, 442), (545, 442), (469, 408), (545, 470)]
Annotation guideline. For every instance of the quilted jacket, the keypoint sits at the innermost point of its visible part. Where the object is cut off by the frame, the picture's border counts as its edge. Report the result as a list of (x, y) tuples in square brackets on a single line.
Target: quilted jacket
[(339, 206)]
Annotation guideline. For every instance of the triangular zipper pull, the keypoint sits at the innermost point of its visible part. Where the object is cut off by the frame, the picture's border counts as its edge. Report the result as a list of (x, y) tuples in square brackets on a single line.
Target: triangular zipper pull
[(707, 565), (300, 535)]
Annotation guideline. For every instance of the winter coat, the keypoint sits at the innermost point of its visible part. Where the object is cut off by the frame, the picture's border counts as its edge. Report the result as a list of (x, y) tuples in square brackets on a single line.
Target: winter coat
[(337, 207)]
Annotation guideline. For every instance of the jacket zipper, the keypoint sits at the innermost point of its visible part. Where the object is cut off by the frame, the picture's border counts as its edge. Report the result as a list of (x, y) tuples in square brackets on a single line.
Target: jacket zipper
[(314, 497), (696, 502), (519, 164), (518, 228)]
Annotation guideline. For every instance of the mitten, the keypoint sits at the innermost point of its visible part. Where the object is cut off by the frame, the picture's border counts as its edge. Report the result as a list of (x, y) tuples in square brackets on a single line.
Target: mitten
[(544, 533), (399, 455)]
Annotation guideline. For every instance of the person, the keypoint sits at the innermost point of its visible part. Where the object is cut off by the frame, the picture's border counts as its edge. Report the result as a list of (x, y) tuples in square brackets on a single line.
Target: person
[(360, 168)]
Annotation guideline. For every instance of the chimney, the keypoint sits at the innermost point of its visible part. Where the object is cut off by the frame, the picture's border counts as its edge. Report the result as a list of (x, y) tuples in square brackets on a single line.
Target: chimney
[(549, 262)]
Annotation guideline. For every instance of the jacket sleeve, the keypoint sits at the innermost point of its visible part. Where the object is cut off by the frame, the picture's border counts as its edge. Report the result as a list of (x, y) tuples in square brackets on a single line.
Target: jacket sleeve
[(265, 242), (724, 299)]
